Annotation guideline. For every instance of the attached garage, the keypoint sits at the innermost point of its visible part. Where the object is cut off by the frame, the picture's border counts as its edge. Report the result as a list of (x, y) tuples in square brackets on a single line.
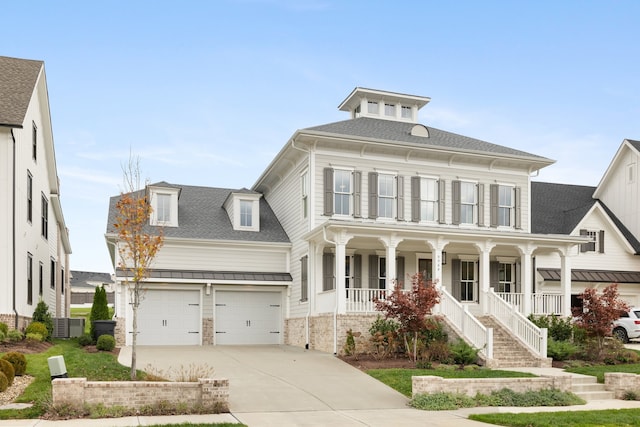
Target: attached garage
[(246, 317), (169, 317)]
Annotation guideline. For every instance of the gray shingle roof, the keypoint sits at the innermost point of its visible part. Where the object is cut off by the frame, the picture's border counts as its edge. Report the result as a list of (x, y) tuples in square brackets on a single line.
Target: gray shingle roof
[(18, 78), (367, 127), (636, 144), (201, 216), (82, 278), (558, 208)]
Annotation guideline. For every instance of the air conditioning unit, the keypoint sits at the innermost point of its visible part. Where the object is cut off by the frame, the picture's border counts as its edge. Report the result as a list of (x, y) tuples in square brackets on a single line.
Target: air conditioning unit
[(61, 327), (76, 327)]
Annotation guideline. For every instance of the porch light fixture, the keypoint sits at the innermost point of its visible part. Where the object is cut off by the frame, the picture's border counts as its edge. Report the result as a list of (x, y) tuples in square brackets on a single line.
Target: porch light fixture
[(444, 258)]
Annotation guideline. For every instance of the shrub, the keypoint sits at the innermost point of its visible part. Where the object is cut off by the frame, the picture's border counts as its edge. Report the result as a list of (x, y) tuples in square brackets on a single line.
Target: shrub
[(106, 343), (99, 308), (4, 383), (559, 329), (37, 328), (561, 350), (32, 336), (350, 346), (463, 353), (433, 331), (41, 314), (437, 351), (18, 360), (3, 336), (4, 328), (85, 340), (7, 369), (384, 336), (15, 335)]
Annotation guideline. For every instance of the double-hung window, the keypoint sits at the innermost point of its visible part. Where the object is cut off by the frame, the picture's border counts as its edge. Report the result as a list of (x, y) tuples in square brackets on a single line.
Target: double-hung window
[(304, 190), (246, 213), (505, 206), (29, 278), (505, 277), (29, 197), (45, 217), (406, 112), (342, 190), (163, 208), (372, 107), (468, 202), (428, 199), (386, 195), (390, 110)]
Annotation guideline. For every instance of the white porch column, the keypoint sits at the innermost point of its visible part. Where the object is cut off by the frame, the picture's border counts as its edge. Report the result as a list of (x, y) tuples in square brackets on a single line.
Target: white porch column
[(341, 240), (437, 247), (565, 281), (526, 277), (390, 243), (485, 277)]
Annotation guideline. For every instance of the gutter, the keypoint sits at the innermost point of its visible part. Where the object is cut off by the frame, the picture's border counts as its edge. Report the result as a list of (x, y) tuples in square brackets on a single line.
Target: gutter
[(13, 229)]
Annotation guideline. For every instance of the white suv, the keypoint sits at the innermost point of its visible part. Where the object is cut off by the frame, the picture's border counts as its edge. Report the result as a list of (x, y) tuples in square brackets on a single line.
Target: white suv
[(628, 325)]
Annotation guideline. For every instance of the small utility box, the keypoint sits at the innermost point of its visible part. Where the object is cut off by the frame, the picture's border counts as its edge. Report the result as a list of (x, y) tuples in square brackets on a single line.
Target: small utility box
[(57, 367)]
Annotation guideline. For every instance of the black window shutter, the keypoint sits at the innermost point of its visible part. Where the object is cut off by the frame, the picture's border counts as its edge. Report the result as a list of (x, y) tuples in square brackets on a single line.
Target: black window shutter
[(455, 278), (400, 198), (357, 271), (357, 196), (373, 195), (415, 198), (441, 200), (518, 213), (328, 191), (494, 279), (480, 188), (373, 272), (328, 269), (455, 194), (493, 205), (601, 241)]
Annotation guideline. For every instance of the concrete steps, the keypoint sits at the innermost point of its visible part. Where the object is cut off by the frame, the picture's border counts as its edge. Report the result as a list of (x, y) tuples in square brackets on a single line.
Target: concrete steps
[(508, 351), (588, 388)]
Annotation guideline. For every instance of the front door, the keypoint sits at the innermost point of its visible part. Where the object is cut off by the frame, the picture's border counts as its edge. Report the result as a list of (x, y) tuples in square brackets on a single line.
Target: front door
[(425, 266)]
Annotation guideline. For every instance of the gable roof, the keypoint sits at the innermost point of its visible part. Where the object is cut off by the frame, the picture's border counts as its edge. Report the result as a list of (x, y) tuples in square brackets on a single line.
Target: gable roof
[(201, 216), (558, 208), (395, 131), (635, 144), (627, 144), (18, 78), (89, 278)]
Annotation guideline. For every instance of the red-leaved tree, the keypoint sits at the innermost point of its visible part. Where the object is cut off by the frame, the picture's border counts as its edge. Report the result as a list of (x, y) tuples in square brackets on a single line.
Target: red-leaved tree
[(598, 311), (410, 309)]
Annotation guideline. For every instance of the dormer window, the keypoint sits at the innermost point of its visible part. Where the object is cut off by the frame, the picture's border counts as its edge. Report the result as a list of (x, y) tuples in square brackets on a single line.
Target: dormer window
[(372, 107), (382, 104), (390, 110), (405, 112), (164, 202), (243, 208)]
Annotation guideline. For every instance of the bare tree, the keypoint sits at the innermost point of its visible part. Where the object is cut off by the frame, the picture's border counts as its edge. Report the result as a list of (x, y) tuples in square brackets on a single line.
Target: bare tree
[(138, 241)]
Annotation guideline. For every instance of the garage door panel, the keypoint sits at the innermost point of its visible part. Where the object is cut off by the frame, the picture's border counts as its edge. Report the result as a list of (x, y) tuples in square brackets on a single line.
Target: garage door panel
[(248, 317), (169, 317)]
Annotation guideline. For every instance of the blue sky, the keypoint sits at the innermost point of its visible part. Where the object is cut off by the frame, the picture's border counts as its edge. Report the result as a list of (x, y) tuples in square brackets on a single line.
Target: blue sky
[(206, 93)]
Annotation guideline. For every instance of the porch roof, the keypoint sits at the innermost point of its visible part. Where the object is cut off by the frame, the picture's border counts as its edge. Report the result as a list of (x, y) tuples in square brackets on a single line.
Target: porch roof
[(598, 276), (198, 275)]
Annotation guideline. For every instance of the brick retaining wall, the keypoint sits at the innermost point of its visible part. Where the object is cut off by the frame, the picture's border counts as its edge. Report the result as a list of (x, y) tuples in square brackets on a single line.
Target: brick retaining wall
[(620, 383), (472, 386), (75, 392)]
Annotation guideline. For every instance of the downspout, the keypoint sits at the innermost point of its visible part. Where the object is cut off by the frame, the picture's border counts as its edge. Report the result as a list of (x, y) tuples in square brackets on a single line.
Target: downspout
[(308, 315), (335, 310), (13, 231)]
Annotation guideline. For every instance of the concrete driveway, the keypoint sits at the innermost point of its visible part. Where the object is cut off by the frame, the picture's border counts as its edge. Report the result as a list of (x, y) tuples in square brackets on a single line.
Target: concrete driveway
[(277, 378)]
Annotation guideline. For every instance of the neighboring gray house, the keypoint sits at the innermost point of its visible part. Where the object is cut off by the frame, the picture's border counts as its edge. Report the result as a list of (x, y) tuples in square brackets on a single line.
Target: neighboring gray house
[(83, 286)]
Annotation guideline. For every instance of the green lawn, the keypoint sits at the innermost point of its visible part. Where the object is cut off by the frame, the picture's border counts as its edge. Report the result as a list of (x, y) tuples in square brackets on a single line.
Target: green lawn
[(599, 370), (606, 418), (400, 379), (93, 366)]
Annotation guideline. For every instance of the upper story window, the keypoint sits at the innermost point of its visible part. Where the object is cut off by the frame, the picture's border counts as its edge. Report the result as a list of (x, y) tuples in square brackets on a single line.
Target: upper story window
[(386, 195), (34, 142), (29, 196), (246, 213), (390, 110), (164, 203), (631, 173), (428, 199), (372, 107), (304, 193), (44, 223), (468, 202), (505, 206), (53, 274), (406, 112), (597, 241), (342, 190)]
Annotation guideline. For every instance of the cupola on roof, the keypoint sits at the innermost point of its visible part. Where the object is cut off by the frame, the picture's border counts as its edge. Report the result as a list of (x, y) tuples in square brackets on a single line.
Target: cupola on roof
[(363, 102)]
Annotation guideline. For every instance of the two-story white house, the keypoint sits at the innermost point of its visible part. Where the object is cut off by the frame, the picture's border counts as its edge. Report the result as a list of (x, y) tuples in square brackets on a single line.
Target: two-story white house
[(34, 240), (344, 212)]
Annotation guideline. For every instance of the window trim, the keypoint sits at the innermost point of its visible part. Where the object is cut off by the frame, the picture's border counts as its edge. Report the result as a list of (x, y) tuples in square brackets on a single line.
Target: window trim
[(29, 278), (41, 279), (34, 142), (304, 193), (44, 217), (435, 202), (245, 215), (29, 197), (162, 208), (350, 196), (393, 198), (474, 205), (52, 274)]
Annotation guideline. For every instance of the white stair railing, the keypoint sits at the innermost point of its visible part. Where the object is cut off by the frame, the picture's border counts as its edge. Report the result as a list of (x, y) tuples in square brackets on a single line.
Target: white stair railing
[(535, 338), (470, 327)]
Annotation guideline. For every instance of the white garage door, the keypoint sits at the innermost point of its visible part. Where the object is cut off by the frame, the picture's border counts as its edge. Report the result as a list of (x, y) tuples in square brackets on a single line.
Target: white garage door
[(169, 317), (248, 317)]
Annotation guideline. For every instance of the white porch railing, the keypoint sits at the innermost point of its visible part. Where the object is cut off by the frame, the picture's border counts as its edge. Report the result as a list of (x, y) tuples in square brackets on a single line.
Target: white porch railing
[(540, 303), (362, 300), (535, 338), (458, 314)]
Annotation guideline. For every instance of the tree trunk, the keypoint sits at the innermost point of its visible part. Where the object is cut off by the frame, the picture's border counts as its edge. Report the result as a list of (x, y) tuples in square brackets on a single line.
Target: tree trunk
[(136, 303)]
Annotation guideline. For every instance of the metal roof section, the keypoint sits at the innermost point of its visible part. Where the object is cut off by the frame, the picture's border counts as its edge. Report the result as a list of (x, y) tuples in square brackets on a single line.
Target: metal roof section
[(218, 276), (592, 276)]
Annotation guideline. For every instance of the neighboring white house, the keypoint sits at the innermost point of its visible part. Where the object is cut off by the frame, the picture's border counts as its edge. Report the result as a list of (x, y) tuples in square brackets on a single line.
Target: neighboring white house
[(608, 214), (34, 240), (300, 258), (83, 286)]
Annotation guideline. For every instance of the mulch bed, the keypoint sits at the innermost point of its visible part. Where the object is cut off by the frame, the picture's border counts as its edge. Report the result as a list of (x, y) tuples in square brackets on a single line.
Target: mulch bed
[(25, 346), (365, 362)]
